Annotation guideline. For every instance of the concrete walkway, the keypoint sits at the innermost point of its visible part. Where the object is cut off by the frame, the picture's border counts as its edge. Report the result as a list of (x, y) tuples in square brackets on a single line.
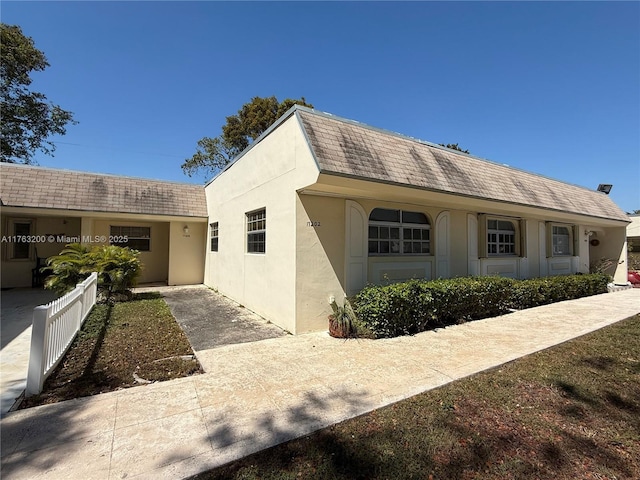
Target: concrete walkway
[(15, 331), (211, 320), (256, 395)]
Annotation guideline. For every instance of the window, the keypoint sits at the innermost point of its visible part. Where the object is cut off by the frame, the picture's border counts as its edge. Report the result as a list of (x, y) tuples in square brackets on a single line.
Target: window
[(501, 237), (214, 236), (21, 247), (257, 231), (396, 232), (561, 240), (136, 238)]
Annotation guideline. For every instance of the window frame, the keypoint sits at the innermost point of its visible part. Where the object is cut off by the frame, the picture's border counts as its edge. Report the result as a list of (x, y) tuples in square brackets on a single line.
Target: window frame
[(256, 231), (570, 239), (500, 232), (214, 230), (402, 227), (122, 231), (19, 244), (520, 239)]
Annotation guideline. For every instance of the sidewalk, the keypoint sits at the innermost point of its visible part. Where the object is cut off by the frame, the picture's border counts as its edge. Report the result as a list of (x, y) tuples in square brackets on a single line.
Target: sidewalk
[(17, 312), (256, 395)]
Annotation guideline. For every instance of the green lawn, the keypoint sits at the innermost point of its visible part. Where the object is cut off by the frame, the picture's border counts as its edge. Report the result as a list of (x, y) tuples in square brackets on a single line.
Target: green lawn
[(569, 412)]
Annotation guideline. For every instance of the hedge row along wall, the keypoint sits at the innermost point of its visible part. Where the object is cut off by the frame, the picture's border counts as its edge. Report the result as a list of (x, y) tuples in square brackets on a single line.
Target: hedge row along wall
[(417, 305)]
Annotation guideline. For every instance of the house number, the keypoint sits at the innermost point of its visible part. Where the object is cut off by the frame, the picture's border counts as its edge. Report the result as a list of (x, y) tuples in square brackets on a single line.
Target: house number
[(313, 224)]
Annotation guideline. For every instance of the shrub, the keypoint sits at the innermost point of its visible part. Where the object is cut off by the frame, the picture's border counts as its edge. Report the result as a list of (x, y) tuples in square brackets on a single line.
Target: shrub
[(417, 305), (118, 268), (541, 291), (71, 266)]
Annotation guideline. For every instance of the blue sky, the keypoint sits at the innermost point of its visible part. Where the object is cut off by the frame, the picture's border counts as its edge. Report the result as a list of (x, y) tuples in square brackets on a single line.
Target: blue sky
[(548, 87)]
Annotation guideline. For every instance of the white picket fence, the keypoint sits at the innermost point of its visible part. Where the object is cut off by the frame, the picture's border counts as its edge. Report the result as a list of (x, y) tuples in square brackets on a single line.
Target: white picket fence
[(55, 325)]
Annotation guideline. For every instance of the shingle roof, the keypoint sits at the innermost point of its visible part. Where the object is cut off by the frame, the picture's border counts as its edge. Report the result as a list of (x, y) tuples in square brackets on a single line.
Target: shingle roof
[(28, 186), (348, 148)]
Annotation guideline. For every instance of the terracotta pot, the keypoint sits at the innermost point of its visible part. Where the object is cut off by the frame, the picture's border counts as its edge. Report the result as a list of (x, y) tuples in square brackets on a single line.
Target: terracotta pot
[(335, 330)]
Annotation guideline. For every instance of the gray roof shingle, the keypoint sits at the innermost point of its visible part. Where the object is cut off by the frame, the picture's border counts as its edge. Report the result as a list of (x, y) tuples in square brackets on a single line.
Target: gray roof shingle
[(29, 186), (348, 148)]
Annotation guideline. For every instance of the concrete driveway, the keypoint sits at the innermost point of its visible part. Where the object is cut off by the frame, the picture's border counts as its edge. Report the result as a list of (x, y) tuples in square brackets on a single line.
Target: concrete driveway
[(211, 320)]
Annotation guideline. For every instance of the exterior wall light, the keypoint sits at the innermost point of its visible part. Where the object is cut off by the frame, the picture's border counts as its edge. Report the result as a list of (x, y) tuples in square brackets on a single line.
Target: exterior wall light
[(185, 229)]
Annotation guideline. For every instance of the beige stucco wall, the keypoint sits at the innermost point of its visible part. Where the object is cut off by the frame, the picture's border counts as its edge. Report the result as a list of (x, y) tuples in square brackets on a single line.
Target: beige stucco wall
[(267, 176), (633, 229), (611, 248), (320, 253), (321, 247), (156, 261), (186, 253), (18, 272), (535, 263)]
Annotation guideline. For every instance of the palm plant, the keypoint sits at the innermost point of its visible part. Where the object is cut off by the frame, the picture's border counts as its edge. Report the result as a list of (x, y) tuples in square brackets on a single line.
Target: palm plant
[(68, 268), (118, 267)]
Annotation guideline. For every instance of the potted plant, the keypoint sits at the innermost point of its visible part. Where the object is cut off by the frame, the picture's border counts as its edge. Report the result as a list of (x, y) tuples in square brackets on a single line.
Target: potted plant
[(342, 321)]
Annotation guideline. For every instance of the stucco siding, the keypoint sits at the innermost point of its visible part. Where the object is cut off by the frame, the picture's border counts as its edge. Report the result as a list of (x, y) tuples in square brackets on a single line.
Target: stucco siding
[(155, 262), (265, 177), (186, 253), (320, 254)]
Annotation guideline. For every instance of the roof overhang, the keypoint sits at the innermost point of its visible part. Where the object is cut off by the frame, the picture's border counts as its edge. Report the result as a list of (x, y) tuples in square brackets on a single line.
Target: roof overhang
[(343, 186), (56, 212)]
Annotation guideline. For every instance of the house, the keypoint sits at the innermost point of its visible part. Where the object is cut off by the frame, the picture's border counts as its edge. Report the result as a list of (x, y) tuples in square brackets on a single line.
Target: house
[(319, 206), (633, 241), (44, 209)]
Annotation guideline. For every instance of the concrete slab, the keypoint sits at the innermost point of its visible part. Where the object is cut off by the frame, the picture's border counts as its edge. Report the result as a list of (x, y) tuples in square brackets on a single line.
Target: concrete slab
[(16, 315), (16, 307), (212, 320), (259, 394)]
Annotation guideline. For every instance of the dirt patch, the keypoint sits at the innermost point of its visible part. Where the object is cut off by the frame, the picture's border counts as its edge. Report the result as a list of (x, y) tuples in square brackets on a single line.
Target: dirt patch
[(120, 346)]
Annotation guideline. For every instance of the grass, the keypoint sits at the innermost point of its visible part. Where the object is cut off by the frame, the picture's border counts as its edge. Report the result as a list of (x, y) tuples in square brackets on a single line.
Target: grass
[(119, 340), (569, 412)]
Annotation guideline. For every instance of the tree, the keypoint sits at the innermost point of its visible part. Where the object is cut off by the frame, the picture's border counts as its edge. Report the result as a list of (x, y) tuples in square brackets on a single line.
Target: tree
[(238, 133), (454, 146), (27, 117)]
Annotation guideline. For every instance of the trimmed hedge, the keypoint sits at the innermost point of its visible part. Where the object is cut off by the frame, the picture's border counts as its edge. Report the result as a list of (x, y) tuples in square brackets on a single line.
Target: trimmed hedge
[(417, 305)]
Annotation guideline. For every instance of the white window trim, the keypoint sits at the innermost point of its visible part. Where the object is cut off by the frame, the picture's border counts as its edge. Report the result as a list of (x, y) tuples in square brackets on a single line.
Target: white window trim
[(483, 236), (572, 240), (212, 236), (256, 231), (401, 226)]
